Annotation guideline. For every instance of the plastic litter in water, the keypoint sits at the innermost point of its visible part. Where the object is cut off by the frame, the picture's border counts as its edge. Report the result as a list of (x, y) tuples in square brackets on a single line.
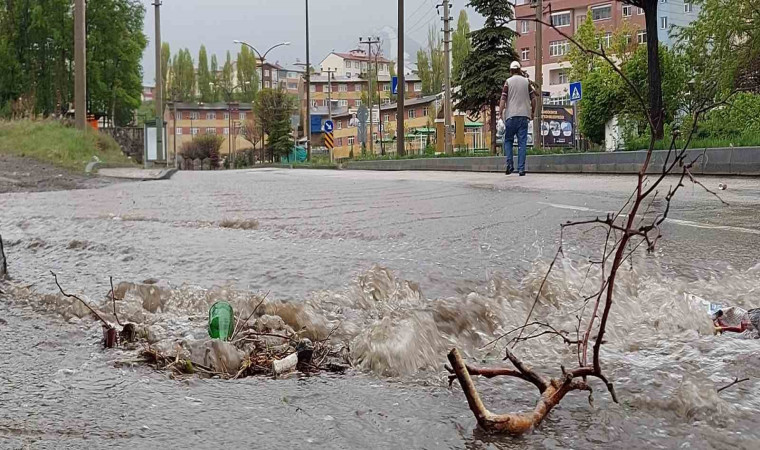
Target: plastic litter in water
[(221, 321)]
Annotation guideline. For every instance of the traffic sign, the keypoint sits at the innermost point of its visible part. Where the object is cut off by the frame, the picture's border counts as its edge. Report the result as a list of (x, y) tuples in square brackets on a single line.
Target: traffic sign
[(395, 85), (329, 126), (329, 140), (576, 91)]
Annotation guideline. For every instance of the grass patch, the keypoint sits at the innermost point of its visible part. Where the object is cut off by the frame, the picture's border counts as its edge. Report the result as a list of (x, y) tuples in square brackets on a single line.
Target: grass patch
[(741, 140), (52, 142)]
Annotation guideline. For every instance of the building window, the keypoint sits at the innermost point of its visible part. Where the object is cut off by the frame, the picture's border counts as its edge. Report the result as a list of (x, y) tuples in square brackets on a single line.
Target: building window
[(425, 111), (326, 88), (292, 86), (386, 88), (627, 10), (312, 88), (242, 115), (210, 130), (339, 123), (525, 26), (267, 84), (374, 137), (267, 73), (417, 87), (194, 115), (663, 1), (387, 118), (562, 77), (348, 64), (343, 103), (525, 54), (640, 11), (194, 131), (664, 22), (210, 116), (343, 88), (606, 40), (364, 66), (688, 7), (350, 140), (627, 39), (561, 19), (601, 12), (641, 37), (226, 131), (558, 48), (178, 131), (339, 142), (411, 114), (386, 101), (226, 116), (358, 103)]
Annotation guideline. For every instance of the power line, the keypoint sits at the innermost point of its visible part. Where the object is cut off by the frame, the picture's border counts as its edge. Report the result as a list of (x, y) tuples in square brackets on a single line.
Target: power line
[(419, 8)]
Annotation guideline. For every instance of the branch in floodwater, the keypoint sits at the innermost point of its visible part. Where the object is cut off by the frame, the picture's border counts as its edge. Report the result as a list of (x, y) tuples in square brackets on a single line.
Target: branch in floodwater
[(106, 324), (733, 383)]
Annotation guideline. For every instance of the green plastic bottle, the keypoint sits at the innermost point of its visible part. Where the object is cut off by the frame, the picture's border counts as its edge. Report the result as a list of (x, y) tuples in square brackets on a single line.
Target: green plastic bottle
[(221, 321)]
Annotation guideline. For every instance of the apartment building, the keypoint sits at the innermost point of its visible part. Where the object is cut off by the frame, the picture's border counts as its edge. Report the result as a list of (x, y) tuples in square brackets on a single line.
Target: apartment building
[(347, 91), (194, 119), (355, 63), (568, 15)]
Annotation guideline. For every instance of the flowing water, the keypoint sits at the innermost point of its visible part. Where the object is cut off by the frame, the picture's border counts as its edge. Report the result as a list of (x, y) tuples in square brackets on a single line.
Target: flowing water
[(402, 267)]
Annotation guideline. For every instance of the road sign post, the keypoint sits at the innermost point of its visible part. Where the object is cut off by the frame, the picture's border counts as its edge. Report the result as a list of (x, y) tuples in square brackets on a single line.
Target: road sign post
[(576, 94), (576, 91), (395, 86), (329, 137)]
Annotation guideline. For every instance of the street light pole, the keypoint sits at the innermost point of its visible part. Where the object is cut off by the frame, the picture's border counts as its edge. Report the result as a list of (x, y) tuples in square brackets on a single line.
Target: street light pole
[(401, 83), (80, 64), (308, 88), (159, 88)]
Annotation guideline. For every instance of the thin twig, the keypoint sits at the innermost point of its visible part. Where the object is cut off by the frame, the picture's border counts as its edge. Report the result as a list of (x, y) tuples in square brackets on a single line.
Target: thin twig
[(237, 330), (733, 383), (113, 299), (107, 325)]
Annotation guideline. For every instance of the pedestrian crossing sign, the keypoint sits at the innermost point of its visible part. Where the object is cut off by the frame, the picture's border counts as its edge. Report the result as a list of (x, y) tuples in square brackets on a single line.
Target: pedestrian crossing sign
[(576, 91)]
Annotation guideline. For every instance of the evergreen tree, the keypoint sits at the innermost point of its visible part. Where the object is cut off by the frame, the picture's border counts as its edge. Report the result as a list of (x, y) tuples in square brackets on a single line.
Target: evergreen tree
[(205, 87), (274, 107), (486, 68), (247, 75), (225, 84), (183, 72), (461, 45), (215, 76), (166, 56)]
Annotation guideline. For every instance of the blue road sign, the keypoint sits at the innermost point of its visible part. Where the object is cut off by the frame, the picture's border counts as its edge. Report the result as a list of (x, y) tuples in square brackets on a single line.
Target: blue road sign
[(395, 85), (329, 126), (576, 91)]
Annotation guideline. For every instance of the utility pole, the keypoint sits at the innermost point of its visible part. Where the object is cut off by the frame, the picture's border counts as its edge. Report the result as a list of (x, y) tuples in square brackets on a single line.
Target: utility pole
[(370, 41), (308, 89), (159, 88), (80, 63), (539, 75), (379, 102), (401, 82), (449, 149), (330, 73)]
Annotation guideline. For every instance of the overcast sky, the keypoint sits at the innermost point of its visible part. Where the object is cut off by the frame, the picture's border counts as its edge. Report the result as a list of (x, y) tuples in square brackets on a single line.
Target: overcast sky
[(335, 25)]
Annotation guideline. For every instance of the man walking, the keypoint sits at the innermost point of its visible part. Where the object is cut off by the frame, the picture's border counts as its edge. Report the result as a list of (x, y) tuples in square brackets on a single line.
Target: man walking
[(517, 106)]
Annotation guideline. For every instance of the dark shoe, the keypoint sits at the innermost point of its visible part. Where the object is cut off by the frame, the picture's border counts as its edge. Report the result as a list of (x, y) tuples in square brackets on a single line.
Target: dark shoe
[(509, 171), (522, 174)]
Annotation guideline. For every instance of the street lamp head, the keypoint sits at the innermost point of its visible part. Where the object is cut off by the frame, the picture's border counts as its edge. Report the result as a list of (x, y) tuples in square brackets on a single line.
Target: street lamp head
[(286, 43), (237, 42)]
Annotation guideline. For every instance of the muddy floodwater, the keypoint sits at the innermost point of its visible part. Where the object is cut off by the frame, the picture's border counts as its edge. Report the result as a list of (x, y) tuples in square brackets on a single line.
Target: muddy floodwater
[(403, 267)]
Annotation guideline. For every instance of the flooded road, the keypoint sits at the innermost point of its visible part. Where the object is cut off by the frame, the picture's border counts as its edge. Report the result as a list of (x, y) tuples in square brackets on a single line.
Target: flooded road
[(406, 265)]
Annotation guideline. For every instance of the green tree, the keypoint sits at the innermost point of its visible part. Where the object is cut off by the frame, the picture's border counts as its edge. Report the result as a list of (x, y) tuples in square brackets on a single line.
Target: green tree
[(166, 56), (274, 108), (225, 82), (183, 72), (430, 63), (461, 45), (247, 75), (205, 86), (723, 43), (486, 68), (215, 94)]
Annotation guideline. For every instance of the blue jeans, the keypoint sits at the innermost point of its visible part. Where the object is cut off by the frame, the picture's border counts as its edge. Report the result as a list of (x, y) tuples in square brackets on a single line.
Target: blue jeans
[(516, 126)]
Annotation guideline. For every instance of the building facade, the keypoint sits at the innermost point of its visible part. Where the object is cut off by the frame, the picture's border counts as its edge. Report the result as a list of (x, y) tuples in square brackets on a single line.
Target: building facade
[(195, 119), (568, 15), (347, 92), (354, 64)]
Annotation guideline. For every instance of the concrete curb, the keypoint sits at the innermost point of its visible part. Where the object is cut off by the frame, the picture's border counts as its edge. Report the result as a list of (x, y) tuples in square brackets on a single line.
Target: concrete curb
[(714, 161), (138, 174)]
